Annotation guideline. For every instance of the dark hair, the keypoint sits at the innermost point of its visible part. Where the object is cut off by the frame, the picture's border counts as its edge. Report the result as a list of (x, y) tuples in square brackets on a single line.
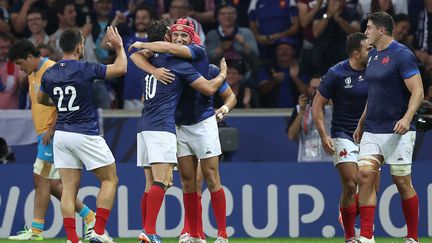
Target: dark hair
[(70, 39), (21, 49), (7, 36), (401, 18), (239, 65), (157, 30), (60, 5), (353, 42), (382, 19), (375, 7), (316, 76), (145, 7), (37, 10)]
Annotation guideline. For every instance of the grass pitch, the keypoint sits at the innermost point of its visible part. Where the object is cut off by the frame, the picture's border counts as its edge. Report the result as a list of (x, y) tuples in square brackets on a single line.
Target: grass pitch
[(248, 240)]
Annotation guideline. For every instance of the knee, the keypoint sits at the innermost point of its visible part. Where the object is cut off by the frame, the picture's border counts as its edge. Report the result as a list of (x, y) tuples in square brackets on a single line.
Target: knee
[(402, 183), (350, 186), (364, 177)]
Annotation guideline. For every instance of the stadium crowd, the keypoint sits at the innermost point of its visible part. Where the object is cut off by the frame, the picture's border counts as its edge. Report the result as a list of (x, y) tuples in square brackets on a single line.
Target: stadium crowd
[(272, 48)]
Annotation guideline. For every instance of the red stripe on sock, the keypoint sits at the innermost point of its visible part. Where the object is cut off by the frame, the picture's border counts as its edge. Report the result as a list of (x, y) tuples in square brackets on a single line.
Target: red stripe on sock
[(143, 209), (200, 223), (154, 201), (411, 214)]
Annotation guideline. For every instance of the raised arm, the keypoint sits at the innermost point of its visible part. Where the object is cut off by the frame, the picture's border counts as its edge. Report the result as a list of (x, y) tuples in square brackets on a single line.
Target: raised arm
[(209, 87), (140, 59), (119, 67), (164, 47), (318, 117)]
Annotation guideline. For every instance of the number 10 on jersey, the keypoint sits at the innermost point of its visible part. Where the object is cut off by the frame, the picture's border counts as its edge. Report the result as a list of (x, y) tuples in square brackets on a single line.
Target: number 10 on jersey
[(150, 86)]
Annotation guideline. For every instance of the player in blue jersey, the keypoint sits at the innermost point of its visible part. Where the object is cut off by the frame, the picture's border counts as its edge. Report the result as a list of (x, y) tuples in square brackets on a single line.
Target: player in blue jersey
[(156, 139), (395, 92), (68, 85), (197, 132), (346, 86)]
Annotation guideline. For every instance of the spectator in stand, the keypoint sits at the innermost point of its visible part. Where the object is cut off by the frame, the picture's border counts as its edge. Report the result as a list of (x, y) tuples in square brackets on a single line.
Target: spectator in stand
[(4, 16), (46, 50), (183, 9), (279, 85), (229, 40), (423, 35), (414, 9), (271, 20), (66, 14), (132, 85), (402, 30), (391, 7), (247, 97), (36, 23), (9, 74), (331, 26), (301, 127), (84, 8), (241, 7)]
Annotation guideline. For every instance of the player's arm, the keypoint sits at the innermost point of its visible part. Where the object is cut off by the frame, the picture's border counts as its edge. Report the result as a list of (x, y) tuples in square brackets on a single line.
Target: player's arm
[(415, 86), (209, 87), (318, 117), (44, 99), (140, 59), (49, 133), (230, 100), (294, 127), (164, 47), (119, 67), (358, 133)]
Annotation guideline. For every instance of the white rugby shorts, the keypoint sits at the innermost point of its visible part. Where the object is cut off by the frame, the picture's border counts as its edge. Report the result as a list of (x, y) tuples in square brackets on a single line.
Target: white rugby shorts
[(72, 150), (345, 151), (156, 147), (200, 139), (395, 148)]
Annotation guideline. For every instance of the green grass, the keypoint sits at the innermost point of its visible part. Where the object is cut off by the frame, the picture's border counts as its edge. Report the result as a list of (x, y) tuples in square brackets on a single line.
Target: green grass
[(248, 240)]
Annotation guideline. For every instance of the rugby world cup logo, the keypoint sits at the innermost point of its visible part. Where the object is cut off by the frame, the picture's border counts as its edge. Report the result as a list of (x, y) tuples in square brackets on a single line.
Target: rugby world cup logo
[(348, 83)]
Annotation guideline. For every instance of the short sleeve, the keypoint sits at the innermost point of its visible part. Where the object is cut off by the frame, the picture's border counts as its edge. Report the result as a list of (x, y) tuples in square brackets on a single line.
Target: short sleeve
[(328, 85), (224, 86), (186, 72), (213, 71), (407, 64), (96, 69), (197, 51)]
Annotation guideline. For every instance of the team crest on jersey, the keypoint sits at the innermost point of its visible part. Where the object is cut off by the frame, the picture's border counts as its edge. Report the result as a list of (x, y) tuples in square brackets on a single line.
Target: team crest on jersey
[(385, 60), (348, 83), (360, 78), (376, 57)]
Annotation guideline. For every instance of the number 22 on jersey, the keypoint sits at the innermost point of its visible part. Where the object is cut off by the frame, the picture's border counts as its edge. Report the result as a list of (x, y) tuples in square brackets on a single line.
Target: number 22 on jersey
[(69, 90)]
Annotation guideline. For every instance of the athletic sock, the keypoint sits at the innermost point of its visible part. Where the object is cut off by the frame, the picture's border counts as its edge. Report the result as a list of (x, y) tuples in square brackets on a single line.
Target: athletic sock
[(356, 198), (143, 209), (87, 214), (190, 201), (410, 211), (348, 219), (102, 215), (69, 225), (367, 214), (218, 202), (154, 201), (200, 223), (37, 226)]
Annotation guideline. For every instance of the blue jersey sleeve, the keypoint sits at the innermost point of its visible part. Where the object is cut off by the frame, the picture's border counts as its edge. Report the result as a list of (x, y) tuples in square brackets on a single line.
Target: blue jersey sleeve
[(186, 72), (197, 52), (213, 72), (96, 69), (328, 85), (407, 64), (224, 86)]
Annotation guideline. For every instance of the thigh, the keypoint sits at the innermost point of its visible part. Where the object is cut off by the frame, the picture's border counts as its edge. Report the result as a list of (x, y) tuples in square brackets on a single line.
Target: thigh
[(398, 149), (370, 145), (93, 151)]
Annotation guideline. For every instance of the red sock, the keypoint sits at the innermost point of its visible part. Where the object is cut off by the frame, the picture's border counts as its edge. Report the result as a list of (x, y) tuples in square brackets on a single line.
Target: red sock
[(154, 199), (218, 202), (348, 218), (200, 223), (102, 215), (143, 209), (356, 198), (367, 214), (410, 211), (190, 201), (69, 225), (185, 224)]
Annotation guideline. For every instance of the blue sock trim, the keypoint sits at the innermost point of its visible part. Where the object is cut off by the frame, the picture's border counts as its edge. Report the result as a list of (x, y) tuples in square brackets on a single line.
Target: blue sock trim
[(84, 212), (38, 226)]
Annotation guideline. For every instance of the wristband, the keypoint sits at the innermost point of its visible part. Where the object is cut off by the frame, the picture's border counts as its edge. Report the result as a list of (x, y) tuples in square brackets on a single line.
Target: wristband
[(225, 108)]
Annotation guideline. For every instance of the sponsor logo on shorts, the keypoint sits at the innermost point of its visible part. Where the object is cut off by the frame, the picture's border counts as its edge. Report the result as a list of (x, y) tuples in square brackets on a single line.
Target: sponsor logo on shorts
[(400, 159), (354, 152), (208, 152)]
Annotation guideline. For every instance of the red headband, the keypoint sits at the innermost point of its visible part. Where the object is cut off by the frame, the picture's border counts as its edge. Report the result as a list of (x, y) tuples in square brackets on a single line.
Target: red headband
[(186, 26)]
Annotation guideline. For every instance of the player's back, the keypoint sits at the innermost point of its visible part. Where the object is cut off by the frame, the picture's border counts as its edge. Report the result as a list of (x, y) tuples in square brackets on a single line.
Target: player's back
[(160, 100), (69, 83)]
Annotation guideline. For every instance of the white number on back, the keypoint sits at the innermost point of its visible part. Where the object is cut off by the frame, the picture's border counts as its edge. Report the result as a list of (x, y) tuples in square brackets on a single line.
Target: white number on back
[(150, 86), (68, 90)]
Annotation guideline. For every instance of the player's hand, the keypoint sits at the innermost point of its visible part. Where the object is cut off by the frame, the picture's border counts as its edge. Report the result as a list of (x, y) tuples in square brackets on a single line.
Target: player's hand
[(46, 139), (164, 75), (402, 126), (358, 133), (278, 76), (221, 113), (114, 38), (223, 67), (327, 144), (136, 45), (302, 101)]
